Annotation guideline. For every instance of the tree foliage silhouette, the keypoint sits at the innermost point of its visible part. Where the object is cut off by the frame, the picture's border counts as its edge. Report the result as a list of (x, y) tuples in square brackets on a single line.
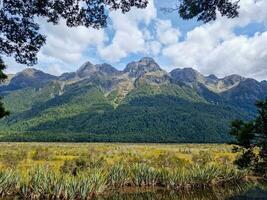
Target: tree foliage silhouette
[(205, 10), (250, 135), (3, 112)]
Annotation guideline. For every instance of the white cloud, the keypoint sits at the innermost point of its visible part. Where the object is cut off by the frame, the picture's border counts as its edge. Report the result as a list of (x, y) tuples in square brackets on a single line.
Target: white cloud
[(198, 43), (65, 48), (45, 63), (68, 44), (154, 48), (215, 48), (240, 55), (129, 37), (166, 34), (252, 10)]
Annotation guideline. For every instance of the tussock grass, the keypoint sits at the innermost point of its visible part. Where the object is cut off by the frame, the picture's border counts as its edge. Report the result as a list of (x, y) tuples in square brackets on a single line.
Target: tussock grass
[(82, 171), (42, 183)]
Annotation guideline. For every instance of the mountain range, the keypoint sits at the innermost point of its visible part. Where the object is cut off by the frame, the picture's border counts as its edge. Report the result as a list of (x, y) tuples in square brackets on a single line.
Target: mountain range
[(142, 103)]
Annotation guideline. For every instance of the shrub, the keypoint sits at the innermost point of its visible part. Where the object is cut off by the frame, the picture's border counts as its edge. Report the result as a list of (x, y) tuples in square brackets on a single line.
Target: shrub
[(74, 166), (169, 160), (247, 160), (81, 164), (42, 153), (225, 160), (13, 158), (202, 158)]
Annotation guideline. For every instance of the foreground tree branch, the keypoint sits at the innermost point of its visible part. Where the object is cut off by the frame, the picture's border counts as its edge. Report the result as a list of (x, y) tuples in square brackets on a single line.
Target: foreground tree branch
[(205, 10)]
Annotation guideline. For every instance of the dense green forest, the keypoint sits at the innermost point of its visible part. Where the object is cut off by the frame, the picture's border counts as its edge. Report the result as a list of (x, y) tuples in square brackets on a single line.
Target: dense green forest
[(148, 114)]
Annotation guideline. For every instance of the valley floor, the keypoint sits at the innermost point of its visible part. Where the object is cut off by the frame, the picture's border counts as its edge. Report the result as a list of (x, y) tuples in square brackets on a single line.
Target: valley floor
[(54, 154), (84, 170)]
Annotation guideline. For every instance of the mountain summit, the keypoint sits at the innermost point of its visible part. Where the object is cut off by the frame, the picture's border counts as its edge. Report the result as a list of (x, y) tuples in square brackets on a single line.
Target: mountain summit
[(29, 77), (188, 76), (88, 69), (139, 68)]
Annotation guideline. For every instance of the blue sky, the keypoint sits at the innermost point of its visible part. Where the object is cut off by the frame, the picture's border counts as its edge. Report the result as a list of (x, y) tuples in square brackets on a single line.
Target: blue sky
[(223, 47)]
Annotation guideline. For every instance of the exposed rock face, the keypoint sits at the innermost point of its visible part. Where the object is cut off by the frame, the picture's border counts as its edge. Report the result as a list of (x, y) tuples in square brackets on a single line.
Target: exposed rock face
[(264, 84), (193, 78), (68, 76), (146, 71), (232, 80), (88, 70), (107, 70), (137, 69), (154, 78), (30, 78), (248, 91), (188, 76), (212, 77)]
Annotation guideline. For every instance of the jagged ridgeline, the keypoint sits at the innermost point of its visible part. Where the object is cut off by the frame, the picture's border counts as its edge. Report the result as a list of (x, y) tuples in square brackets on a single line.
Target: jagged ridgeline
[(142, 103)]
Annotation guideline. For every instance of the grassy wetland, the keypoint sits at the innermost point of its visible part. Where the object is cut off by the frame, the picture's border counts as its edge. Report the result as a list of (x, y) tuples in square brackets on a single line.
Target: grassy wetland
[(87, 171)]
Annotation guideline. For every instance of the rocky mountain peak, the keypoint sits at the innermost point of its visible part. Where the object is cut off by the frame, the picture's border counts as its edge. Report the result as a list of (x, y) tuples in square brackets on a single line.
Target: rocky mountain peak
[(86, 69), (139, 68), (67, 76), (232, 80), (147, 60), (212, 77), (234, 77), (29, 72), (30, 77), (187, 75), (33, 74), (107, 69)]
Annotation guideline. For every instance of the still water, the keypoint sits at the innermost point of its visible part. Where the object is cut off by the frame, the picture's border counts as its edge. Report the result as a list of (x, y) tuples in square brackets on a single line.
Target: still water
[(234, 192), (237, 192)]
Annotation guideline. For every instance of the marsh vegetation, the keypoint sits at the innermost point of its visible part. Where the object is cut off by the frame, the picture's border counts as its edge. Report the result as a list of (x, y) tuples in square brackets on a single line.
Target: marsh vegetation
[(82, 171)]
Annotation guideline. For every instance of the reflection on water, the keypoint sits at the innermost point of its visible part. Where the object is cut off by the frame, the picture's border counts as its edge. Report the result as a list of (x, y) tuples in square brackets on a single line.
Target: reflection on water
[(233, 192), (244, 192), (255, 194)]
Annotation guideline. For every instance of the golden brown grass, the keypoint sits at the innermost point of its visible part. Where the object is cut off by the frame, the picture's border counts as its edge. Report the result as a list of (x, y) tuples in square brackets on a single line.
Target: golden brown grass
[(113, 153)]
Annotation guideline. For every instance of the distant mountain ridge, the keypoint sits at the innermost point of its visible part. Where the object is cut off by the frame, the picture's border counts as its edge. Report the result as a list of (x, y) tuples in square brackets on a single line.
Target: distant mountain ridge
[(31, 77), (141, 103)]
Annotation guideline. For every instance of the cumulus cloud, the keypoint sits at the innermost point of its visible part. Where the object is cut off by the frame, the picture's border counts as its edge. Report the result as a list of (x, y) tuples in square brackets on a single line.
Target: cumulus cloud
[(129, 36), (166, 34), (215, 48), (68, 44), (240, 55), (65, 48), (154, 48)]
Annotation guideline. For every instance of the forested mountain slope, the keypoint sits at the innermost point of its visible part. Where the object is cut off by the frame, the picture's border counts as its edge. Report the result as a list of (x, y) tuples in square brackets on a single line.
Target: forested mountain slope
[(142, 103)]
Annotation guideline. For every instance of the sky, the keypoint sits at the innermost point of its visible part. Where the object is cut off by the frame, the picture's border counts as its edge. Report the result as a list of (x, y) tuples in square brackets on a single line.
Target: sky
[(222, 47)]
